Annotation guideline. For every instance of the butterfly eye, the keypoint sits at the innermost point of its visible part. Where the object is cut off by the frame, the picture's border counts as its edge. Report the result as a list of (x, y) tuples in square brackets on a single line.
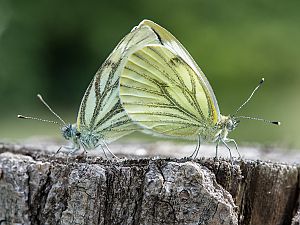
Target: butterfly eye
[(78, 134), (67, 131), (230, 125)]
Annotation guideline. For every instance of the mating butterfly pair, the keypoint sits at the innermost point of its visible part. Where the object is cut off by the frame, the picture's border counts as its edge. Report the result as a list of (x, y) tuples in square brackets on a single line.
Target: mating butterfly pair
[(150, 83)]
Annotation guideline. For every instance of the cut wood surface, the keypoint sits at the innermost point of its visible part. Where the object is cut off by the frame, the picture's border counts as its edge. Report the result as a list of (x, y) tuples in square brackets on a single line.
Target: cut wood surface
[(38, 187)]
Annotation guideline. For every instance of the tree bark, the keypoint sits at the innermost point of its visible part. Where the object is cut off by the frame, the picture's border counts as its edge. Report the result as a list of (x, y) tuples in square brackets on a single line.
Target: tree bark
[(37, 187)]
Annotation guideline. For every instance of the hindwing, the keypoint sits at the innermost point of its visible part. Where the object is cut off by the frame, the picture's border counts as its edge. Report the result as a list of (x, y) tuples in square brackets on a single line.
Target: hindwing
[(162, 93)]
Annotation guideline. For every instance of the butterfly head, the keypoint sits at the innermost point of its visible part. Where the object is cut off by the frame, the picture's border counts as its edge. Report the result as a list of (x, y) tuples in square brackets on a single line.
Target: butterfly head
[(228, 123), (224, 126), (231, 123), (69, 132)]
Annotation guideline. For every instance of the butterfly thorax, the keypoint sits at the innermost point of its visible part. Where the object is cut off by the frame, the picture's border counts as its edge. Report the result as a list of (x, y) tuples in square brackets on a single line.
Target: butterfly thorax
[(89, 139)]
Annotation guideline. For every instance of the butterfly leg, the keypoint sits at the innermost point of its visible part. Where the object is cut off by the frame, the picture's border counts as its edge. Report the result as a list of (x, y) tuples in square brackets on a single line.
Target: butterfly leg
[(231, 159), (74, 149), (102, 148), (83, 154), (196, 151), (103, 151), (217, 146), (235, 144), (58, 150), (107, 148), (71, 150)]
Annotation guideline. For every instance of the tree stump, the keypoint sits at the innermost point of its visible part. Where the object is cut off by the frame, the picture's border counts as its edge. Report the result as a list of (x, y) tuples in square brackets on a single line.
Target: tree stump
[(37, 187)]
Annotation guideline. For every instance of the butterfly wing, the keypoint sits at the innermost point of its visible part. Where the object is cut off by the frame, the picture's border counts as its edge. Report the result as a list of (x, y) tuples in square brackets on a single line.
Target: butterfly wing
[(163, 93), (101, 112), (168, 40)]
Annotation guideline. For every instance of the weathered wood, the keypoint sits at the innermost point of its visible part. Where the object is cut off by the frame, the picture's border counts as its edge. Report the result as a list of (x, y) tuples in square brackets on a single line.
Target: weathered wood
[(39, 188)]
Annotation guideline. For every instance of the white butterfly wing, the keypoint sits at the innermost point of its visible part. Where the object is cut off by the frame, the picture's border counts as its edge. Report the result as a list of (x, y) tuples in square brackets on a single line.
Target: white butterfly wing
[(101, 112)]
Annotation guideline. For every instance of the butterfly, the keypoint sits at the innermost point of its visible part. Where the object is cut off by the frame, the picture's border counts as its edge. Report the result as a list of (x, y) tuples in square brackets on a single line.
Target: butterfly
[(101, 118), (163, 90)]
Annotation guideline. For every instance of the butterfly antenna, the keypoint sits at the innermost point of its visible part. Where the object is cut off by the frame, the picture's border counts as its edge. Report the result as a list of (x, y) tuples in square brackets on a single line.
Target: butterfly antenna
[(259, 119), (43, 101), (258, 86), (34, 118)]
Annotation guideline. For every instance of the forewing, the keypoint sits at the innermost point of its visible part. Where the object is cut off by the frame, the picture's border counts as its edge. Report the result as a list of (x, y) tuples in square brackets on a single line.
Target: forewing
[(100, 110), (168, 40), (162, 93)]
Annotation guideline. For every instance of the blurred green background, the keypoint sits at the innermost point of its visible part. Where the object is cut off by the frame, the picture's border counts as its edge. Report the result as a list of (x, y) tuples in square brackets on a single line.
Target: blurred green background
[(55, 47)]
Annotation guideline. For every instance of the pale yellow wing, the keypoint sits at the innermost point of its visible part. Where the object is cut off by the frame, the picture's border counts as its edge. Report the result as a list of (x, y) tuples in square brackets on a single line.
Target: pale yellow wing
[(168, 40), (162, 93)]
